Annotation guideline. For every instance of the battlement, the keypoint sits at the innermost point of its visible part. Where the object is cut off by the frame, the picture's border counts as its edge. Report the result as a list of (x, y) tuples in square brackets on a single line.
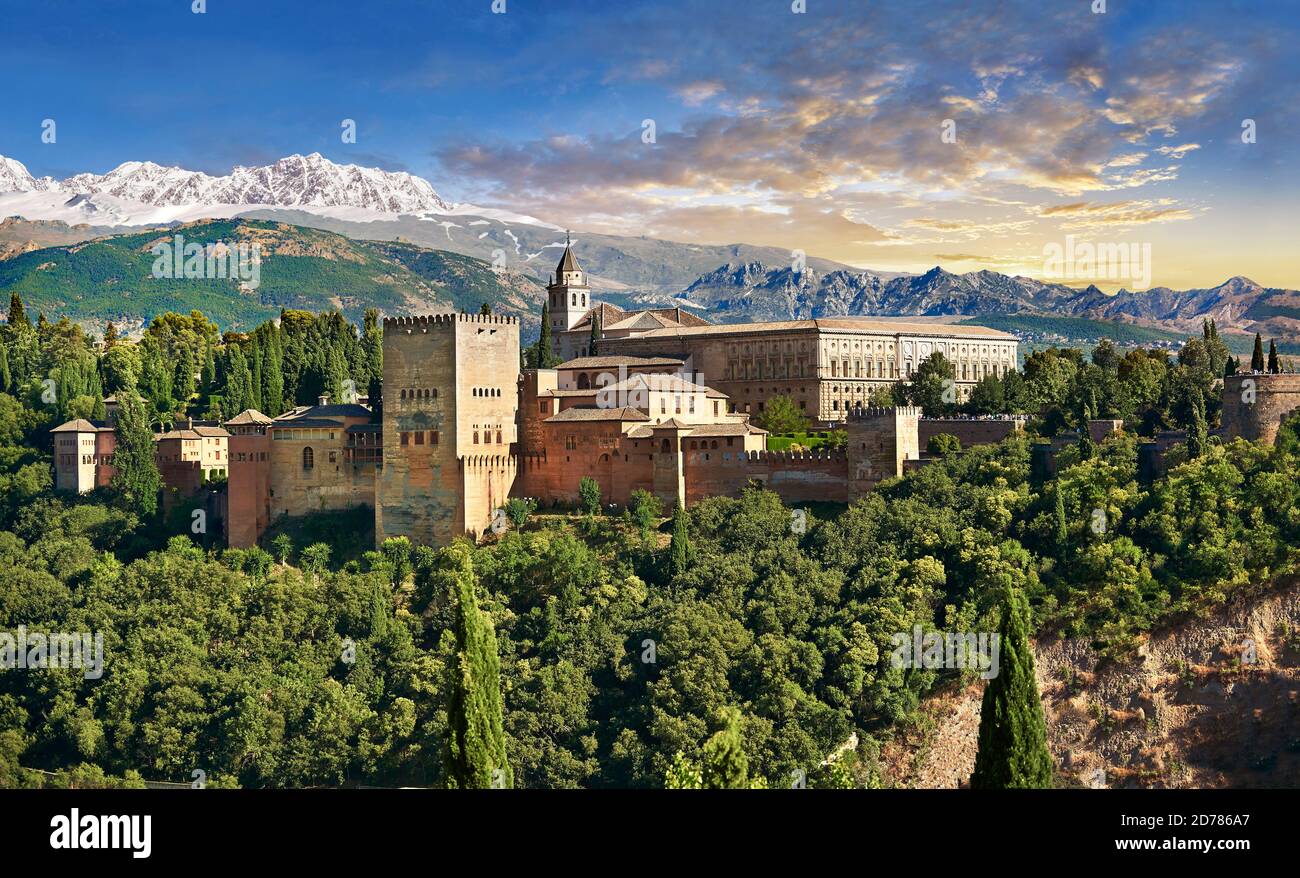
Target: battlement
[(487, 461), (815, 456), (876, 412), (422, 322)]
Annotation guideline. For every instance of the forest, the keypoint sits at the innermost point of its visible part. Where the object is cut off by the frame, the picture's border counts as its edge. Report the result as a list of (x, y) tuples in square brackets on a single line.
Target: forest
[(641, 647)]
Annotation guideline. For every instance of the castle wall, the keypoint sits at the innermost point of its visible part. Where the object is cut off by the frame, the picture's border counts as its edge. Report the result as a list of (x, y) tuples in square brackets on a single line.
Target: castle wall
[(794, 476), (1254, 405), (969, 430), (620, 465)]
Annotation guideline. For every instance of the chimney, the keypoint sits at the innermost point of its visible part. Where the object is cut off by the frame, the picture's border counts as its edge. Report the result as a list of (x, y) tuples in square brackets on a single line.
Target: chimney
[(323, 399)]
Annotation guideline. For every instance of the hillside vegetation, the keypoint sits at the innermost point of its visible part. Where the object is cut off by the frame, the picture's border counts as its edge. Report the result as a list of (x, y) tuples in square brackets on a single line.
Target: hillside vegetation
[(110, 279)]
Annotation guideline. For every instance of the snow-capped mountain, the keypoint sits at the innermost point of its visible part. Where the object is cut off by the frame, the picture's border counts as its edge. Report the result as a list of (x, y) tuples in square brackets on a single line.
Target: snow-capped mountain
[(295, 181), (142, 193)]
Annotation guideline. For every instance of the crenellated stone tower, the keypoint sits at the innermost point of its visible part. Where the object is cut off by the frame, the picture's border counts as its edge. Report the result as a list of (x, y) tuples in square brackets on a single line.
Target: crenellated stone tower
[(879, 441), (450, 403)]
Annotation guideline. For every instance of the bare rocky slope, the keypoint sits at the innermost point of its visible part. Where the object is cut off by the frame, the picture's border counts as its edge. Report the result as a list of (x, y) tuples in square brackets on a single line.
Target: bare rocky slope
[(1191, 711)]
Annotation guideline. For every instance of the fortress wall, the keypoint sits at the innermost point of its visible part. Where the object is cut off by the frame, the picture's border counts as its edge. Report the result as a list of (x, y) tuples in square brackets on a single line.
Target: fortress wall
[(969, 431), (797, 477), (1254, 405)]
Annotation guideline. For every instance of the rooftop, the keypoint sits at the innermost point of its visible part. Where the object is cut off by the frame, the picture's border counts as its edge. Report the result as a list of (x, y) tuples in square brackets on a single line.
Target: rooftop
[(249, 416), (625, 413), (615, 360), (866, 325), (80, 425)]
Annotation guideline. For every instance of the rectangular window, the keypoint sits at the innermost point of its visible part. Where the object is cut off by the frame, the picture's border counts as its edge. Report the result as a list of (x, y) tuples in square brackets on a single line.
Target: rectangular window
[(406, 438), (433, 438)]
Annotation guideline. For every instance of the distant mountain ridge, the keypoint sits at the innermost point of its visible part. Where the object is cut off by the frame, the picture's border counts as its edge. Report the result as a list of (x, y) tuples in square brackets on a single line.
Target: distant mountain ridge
[(752, 291), (293, 181), (112, 279)]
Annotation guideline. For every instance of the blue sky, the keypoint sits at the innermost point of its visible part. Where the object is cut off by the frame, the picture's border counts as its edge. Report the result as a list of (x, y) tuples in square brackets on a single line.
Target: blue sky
[(818, 131)]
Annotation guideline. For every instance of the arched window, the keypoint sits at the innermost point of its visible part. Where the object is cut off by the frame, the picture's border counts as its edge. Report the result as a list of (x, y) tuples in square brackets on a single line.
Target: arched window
[(584, 382), (308, 458)]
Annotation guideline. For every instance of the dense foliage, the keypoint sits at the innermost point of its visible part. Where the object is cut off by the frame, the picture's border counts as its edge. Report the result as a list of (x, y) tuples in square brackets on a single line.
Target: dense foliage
[(725, 648)]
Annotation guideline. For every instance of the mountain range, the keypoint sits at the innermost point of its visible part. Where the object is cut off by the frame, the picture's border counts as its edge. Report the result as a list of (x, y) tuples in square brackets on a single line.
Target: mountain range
[(752, 291), (393, 213)]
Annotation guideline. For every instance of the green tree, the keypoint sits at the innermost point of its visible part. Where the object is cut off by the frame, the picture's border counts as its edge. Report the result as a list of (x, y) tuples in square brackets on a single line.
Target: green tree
[(518, 509), (1198, 438), (645, 509), (782, 416), (933, 387), (1257, 356), (136, 479), (725, 765), (17, 313), (988, 398), (1273, 365), (397, 552), (680, 552), (594, 341), (589, 495), (882, 397), (1013, 750), (282, 546), (943, 445), (1062, 526), (545, 346), (476, 747)]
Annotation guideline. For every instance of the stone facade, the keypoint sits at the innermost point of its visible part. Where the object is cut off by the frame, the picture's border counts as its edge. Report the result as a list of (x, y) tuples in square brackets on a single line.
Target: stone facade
[(971, 431), (828, 366), (83, 456), (1255, 404), (451, 397)]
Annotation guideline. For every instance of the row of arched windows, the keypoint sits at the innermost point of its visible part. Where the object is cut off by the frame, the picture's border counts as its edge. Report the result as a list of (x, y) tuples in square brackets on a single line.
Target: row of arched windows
[(420, 393), (487, 391)]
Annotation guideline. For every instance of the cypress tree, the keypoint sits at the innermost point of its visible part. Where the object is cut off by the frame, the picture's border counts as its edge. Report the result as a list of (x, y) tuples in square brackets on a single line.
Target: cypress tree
[(476, 745), (545, 348), (110, 336), (725, 764), (1273, 366), (594, 341), (6, 379), (1257, 358), (1013, 750), (17, 314), (1198, 434), (136, 481), (1062, 530), (680, 553)]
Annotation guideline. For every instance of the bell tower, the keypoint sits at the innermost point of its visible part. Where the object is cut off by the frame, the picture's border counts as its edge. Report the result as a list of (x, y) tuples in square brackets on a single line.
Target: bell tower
[(569, 295)]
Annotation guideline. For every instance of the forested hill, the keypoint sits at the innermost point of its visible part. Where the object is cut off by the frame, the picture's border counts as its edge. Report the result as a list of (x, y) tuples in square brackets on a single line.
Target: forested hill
[(111, 279)]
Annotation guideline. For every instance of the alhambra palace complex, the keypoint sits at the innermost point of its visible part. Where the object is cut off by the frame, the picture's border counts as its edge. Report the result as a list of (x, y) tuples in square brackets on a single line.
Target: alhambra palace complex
[(665, 406)]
